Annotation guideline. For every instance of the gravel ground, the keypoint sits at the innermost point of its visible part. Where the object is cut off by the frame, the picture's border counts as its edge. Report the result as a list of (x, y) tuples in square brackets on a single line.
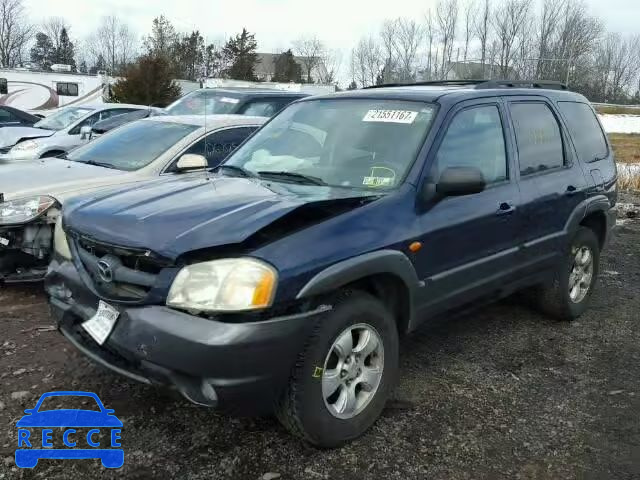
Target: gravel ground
[(501, 393)]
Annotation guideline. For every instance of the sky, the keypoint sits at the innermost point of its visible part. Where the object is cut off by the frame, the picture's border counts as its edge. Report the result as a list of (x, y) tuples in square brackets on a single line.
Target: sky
[(276, 23)]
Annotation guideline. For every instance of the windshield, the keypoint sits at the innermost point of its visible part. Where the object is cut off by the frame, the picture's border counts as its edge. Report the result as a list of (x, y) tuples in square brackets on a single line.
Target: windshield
[(63, 118), (69, 402), (344, 143), (204, 102), (134, 145)]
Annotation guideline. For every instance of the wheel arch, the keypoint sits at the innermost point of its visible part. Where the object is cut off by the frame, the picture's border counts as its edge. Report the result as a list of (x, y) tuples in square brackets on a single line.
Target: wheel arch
[(387, 274)]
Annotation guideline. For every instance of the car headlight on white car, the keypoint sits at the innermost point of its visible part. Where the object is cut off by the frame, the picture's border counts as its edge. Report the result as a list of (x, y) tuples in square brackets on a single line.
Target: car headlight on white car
[(23, 210), (226, 285), (25, 146)]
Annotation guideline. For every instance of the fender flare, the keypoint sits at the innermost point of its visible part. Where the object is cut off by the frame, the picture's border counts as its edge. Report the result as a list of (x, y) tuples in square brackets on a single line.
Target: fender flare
[(599, 203), (347, 271)]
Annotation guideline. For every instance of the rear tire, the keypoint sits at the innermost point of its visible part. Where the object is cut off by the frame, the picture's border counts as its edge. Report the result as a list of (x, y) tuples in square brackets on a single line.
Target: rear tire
[(568, 295), (307, 409)]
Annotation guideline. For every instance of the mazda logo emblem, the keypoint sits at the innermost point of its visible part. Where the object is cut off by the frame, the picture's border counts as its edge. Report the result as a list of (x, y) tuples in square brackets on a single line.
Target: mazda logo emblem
[(105, 271)]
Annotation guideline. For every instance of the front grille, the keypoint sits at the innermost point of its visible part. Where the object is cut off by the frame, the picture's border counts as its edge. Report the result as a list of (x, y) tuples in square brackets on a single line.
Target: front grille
[(130, 274)]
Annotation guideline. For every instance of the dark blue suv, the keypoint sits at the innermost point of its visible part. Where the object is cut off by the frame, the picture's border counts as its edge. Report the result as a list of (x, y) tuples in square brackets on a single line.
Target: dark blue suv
[(283, 278)]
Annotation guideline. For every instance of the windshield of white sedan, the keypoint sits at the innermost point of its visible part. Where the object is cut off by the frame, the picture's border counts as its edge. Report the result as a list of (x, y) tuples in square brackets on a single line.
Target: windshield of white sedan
[(132, 146), (204, 103), (62, 119), (355, 143)]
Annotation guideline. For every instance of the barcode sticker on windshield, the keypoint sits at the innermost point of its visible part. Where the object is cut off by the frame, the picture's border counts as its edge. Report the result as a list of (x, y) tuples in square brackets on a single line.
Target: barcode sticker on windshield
[(229, 100), (390, 116)]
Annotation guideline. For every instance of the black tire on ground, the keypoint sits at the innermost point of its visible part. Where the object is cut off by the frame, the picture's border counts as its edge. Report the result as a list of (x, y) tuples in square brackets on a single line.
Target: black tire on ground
[(302, 408), (554, 298)]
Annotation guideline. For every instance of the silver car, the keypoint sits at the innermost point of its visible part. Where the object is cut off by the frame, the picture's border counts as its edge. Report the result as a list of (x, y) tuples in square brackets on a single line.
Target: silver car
[(58, 133), (32, 193)]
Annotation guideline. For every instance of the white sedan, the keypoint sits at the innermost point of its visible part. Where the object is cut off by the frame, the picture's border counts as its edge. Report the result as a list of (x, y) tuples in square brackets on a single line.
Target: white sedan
[(57, 134)]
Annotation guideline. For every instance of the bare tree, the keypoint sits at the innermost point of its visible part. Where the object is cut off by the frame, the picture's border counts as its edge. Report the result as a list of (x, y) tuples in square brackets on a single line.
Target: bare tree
[(52, 27), (469, 14), (115, 42), (15, 32), (430, 32), (446, 22), (328, 66), (367, 61), (309, 51), (482, 29), (408, 38), (388, 37), (509, 22)]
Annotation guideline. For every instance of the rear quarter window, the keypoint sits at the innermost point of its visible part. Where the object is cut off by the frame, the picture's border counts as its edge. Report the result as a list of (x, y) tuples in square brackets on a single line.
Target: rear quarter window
[(585, 131)]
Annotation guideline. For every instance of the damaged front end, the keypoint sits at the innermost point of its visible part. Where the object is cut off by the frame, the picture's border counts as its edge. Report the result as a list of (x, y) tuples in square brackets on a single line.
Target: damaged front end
[(26, 237)]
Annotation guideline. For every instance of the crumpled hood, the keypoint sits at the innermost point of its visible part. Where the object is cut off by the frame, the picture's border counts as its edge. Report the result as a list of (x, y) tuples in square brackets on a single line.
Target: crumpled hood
[(9, 136), (55, 177), (184, 214)]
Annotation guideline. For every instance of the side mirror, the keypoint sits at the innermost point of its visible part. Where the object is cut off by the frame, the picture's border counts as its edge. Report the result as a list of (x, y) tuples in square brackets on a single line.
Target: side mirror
[(85, 132), (453, 182), (458, 181), (190, 161), (29, 411)]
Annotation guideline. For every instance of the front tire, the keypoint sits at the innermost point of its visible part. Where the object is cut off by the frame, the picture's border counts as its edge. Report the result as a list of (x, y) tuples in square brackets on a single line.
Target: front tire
[(345, 374), (568, 295)]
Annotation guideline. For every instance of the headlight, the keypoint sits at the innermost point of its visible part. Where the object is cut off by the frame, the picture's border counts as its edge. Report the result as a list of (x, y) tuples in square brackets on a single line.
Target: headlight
[(60, 242), (224, 286), (23, 210), (28, 145)]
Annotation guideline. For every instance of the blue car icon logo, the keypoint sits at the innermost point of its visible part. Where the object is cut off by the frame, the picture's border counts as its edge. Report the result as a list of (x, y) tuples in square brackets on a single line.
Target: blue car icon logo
[(73, 429)]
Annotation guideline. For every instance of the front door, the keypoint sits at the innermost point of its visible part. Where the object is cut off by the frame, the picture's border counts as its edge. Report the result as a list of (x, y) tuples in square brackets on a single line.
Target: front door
[(470, 243)]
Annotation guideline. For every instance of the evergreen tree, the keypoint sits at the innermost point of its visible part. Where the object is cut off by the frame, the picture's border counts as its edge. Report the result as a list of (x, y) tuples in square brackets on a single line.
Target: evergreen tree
[(43, 53), (189, 56), (241, 57), (286, 68), (163, 38), (100, 66), (353, 85), (148, 82), (65, 54), (82, 67)]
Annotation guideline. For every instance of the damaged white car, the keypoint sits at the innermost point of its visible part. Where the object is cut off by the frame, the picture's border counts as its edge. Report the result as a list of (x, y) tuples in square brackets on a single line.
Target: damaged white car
[(32, 193)]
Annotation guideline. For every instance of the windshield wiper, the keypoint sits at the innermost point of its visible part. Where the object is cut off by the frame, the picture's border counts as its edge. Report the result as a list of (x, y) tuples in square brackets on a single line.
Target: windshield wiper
[(101, 164), (235, 168), (295, 177)]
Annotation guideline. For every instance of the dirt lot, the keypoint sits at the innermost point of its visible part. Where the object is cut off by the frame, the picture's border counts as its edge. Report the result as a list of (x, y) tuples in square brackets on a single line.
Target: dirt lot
[(503, 393)]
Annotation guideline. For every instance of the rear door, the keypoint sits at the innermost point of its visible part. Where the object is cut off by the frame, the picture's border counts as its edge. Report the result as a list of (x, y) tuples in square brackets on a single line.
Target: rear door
[(550, 177), (471, 242)]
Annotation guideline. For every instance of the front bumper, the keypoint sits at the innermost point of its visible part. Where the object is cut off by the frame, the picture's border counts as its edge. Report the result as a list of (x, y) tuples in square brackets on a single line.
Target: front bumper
[(238, 366)]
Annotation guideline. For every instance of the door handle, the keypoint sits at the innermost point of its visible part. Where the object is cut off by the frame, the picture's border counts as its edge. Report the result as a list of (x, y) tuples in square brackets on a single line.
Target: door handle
[(571, 191), (505, 208)]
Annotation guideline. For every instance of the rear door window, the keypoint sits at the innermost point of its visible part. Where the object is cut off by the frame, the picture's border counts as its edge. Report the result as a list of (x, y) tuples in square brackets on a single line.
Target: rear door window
[(585, 130), (538, 136)]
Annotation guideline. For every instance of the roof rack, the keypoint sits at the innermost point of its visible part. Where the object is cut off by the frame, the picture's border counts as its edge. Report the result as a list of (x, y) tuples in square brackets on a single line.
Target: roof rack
[(482, 84)]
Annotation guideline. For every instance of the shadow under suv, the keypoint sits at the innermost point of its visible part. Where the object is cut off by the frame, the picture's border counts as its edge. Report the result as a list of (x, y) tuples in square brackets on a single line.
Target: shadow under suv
[(284, 278)]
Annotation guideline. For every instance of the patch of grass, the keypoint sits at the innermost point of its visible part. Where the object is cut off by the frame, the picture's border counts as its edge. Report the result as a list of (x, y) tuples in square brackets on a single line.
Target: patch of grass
[(629, 182), (626, 147), (616, 110)]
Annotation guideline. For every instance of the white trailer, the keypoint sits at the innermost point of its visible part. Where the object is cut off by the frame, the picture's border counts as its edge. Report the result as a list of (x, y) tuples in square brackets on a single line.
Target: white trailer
[(42, 91)]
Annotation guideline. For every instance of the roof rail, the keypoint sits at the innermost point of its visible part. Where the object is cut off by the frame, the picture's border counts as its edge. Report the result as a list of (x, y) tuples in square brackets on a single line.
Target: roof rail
[(550, 84), (481, 84), (435, 83)]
